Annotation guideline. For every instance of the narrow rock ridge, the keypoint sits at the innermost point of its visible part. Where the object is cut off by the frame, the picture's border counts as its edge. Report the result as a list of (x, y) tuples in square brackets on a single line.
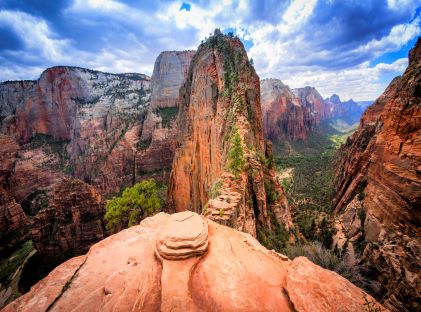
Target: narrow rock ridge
[(220, 102), (125, 272)]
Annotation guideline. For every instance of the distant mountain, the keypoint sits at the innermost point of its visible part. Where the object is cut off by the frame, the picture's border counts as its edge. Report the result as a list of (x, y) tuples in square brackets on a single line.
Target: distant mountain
[(296, 114)]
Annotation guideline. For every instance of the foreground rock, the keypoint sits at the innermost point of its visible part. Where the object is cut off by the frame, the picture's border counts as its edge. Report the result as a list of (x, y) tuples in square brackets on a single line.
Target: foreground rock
[(379, 190), (129, 271), (220, 103)]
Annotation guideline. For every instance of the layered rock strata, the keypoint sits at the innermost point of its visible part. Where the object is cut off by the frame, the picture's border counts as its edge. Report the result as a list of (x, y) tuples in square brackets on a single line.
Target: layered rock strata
[(244, 277), (159, 129), (284, 116), (85, 116), (379, 183), (221, 167)]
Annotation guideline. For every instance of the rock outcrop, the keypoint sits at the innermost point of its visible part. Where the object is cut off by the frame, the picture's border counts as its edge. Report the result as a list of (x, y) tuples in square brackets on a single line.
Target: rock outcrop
[(379, 182), (129, 271), (221, 167), (313, 102), (70, 222), (284, 116), (159, 129), (86, 116)]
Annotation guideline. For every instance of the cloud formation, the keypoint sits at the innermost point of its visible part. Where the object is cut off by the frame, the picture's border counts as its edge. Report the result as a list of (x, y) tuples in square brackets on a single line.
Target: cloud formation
[(352, 48)]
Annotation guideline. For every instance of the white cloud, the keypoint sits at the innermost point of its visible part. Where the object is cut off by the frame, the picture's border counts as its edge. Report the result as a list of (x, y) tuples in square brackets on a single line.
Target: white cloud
[(359, 83), (36, 35)]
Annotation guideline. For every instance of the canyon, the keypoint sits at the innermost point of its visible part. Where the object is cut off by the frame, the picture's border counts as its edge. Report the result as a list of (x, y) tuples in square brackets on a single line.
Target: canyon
[(204, 124), (296, 114)]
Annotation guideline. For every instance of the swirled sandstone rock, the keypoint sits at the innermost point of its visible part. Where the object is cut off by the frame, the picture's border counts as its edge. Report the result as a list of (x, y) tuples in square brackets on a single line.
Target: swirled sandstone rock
[(185, 236), (236, 273), (379, 182)]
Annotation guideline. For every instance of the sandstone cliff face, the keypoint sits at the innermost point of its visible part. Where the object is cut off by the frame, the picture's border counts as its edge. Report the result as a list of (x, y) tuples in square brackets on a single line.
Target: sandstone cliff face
[(159, 129), (89, 113), (284, 116), (220, 101), (71, 221), (165, 264), (379, 182), (313, 102)]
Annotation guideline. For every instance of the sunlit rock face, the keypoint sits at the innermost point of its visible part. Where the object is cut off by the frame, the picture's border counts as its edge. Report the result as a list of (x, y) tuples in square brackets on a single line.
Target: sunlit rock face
[(160, 127), (380, 171), (219, 101), (90, 118), (186, 262), (284, 116)]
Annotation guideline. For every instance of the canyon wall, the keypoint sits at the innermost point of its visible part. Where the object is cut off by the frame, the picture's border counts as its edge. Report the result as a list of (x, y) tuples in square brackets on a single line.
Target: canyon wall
[(222, 167), (293, 115), (160, 126), (284, 116), (378, 203)]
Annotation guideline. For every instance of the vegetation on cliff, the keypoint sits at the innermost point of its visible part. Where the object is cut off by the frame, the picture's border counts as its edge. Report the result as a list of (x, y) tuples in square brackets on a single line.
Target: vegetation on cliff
[(133, 205)]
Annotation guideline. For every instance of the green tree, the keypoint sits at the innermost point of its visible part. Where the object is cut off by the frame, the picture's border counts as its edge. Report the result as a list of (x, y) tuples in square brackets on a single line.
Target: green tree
[(236, 160), (136, 203)]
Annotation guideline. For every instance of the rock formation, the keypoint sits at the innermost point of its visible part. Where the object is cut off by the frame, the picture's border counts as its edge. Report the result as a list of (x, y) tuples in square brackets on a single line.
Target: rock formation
[(71, 221), (284, 116), (379, 183), (160, 126), (131, 271), (86, 116), (221, 167), (293, 115)]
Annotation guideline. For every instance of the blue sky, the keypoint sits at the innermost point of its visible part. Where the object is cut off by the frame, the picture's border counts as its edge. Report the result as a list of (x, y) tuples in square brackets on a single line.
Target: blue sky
[(352, 48)]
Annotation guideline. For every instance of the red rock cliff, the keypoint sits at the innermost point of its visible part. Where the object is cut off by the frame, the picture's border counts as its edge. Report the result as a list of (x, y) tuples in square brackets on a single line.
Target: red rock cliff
[(166, 264), (380, 175), (284, 116), (219, 102), (159, 129)]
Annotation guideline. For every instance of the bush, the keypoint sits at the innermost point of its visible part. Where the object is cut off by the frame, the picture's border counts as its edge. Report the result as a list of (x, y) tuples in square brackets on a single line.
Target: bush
[(136, 203)]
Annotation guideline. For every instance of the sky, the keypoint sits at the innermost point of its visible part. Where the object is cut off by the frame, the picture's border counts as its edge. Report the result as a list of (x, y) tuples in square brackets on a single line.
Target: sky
[(348, 47)]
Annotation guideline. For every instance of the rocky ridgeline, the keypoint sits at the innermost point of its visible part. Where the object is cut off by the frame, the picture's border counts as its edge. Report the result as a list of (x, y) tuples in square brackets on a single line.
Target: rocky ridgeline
[(379, 189), (220, 104), (165, 264)]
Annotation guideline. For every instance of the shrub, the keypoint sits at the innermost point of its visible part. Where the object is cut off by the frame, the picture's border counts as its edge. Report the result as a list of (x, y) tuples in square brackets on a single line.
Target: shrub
[(136, 203), (214, 191)]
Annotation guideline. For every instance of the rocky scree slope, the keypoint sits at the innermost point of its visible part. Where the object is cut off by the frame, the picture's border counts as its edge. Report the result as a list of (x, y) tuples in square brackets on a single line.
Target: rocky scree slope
[(222, 166), (378, 203), (186, 262)]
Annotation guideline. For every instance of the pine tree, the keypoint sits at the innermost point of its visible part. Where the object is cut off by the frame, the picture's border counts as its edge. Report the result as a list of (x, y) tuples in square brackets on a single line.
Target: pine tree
[(236, 162), (136, 203)]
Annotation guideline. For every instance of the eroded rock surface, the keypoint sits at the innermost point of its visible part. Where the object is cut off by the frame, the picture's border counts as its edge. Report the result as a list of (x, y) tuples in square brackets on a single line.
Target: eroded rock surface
[(379, 183), (123, 273), (220, 101)]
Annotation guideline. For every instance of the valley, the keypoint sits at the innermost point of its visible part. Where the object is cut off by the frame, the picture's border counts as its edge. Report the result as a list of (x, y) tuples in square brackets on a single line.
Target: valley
[(258, 171)]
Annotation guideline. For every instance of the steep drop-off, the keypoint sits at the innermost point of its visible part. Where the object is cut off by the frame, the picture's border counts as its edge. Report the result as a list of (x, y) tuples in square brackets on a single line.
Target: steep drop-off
[(222, 167), (159, 131), (284, 116), (166, 264), (378, 204)]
